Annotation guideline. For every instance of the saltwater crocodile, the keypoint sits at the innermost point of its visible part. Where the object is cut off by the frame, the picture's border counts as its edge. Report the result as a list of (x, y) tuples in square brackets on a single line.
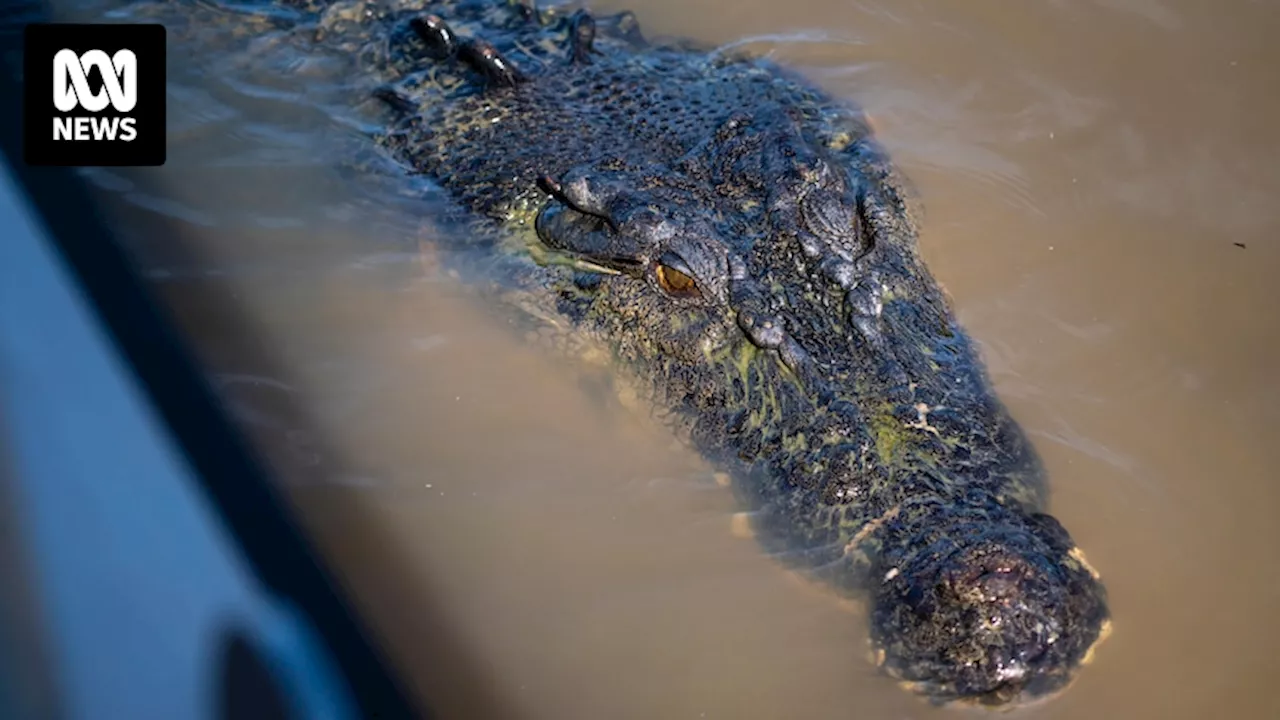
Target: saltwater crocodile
[(744, 248)]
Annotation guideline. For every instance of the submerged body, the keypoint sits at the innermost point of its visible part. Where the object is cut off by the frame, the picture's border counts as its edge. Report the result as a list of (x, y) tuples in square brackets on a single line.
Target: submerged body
[(747, 253)]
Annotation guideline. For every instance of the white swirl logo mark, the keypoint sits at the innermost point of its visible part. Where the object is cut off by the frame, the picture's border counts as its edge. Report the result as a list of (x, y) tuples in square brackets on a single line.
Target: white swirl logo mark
[(119, 80)]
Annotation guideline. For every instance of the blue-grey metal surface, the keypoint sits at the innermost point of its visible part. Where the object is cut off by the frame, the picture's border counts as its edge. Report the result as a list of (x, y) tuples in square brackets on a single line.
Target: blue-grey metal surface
[(136, 577)]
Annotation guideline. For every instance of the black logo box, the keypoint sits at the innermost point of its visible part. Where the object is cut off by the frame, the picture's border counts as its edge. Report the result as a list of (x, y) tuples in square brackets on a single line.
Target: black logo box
[(42, 42)]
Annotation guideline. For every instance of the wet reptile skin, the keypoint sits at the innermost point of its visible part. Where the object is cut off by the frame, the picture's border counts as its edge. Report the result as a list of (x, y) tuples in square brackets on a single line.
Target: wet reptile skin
[(747, 253)]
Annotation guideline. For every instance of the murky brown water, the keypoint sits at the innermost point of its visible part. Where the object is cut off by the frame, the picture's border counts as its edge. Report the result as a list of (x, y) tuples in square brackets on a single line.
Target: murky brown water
[(1100, 180)]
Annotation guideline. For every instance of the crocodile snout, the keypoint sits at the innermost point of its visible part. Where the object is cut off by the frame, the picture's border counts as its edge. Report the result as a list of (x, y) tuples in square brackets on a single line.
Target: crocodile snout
[(1001, 622)]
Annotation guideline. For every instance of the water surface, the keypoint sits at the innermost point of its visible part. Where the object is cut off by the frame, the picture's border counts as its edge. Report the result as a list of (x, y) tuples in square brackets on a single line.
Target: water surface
[(1099, 180)]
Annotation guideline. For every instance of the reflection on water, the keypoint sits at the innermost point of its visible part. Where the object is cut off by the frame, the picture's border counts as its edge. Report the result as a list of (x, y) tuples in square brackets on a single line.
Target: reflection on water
[(1097, 178)]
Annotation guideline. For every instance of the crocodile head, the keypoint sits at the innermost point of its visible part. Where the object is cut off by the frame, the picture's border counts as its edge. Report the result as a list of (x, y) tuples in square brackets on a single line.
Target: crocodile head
[(748, 254), (765, 288)]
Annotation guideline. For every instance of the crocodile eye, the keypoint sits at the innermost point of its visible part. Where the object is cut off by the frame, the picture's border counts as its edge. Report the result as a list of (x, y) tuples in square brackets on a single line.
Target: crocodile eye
[(675, 278)]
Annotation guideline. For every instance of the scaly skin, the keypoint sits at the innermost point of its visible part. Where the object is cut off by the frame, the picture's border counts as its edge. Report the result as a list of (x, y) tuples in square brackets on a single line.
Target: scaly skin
[(746, 251)]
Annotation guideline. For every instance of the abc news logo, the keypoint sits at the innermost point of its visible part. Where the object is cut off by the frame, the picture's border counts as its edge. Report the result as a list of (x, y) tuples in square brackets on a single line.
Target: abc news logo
[(94, 95), (71, 89)]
